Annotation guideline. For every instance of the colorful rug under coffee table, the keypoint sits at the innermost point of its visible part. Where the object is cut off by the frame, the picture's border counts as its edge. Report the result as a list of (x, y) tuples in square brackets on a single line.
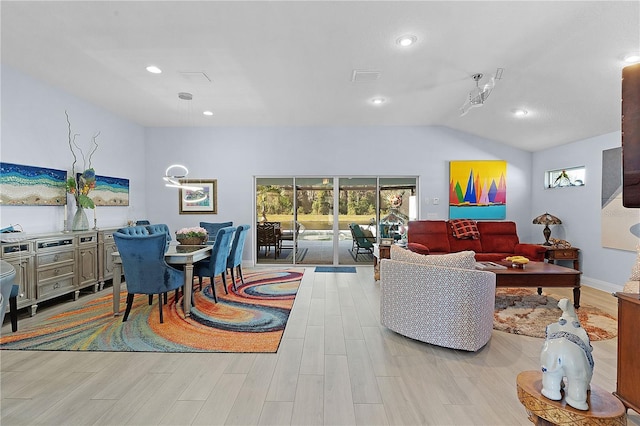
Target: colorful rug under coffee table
[(523, 311), (252, 319)]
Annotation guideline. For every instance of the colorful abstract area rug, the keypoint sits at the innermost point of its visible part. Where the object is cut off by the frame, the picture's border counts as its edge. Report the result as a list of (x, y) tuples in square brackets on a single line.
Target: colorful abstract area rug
[(523, 311), (251, 319)]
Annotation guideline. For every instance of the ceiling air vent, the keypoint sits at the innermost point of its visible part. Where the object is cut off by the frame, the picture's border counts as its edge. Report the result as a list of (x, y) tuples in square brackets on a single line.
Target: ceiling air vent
[(197, 77), (364, 76)]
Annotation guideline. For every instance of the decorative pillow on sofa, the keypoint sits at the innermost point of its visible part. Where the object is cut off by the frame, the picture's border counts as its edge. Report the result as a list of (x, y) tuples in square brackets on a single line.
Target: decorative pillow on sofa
[(464, 228), (418, 248), (461, 260)]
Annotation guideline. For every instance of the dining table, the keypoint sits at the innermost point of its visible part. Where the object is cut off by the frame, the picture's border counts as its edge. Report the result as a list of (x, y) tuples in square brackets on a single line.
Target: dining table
[(176, 255)]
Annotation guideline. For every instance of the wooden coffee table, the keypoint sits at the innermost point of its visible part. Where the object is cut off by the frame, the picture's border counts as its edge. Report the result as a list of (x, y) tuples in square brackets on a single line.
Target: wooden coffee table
[(538, 275)]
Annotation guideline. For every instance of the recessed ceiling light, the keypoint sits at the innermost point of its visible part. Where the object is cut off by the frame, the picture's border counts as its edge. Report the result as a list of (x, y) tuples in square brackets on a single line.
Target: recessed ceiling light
[(207, 113), (378, 101), (520, 112), (153, 69), (632, 58), (406, 40)]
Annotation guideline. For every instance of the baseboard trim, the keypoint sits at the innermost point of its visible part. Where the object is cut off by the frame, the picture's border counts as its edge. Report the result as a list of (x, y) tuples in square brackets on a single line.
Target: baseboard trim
[(600, 285)]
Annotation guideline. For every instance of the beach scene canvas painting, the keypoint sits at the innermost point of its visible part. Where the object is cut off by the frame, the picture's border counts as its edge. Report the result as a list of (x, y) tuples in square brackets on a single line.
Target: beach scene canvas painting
[(32, 186), (110, 191)]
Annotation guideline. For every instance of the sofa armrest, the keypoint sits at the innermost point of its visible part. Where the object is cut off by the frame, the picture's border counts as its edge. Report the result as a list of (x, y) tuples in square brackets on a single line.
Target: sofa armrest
[(533, 252), (448, 307), (418, 248)]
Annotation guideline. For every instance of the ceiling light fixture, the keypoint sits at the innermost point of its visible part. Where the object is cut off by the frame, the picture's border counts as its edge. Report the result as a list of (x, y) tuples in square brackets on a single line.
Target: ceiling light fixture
[(153, 69), (207, 113), (632, 58), (406, 40), (174, 173), (520, 112), (185, 96), (378, 101), (478, 96)]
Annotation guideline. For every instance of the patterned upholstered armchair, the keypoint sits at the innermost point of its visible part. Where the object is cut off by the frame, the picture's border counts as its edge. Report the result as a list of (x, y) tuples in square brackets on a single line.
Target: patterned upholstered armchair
[(438, 299)]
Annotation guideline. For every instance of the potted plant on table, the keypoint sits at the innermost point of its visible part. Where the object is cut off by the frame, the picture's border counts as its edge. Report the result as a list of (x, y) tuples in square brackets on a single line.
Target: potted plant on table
[(194, 236)]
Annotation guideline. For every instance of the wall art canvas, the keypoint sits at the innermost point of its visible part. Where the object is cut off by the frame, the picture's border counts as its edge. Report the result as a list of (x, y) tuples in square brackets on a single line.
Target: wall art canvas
[(478, 189), (200, 198), (620, 225), (32, 186), (110, 191)]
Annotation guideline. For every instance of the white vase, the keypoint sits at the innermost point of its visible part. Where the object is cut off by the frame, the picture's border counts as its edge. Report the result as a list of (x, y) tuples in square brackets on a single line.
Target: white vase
[(80, 221)]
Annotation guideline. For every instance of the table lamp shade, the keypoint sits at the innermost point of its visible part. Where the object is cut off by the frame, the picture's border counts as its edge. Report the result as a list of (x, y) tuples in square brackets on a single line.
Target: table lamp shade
[(546, 219)]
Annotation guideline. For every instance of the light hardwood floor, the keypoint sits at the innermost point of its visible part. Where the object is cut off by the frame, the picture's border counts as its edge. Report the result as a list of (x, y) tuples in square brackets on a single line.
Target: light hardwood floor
[(336, 365)]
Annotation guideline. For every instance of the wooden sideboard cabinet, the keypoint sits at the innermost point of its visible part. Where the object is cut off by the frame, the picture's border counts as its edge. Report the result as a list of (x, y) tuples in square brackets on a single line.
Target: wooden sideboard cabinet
[(51, 265), (87, 259), (106, 246), (628, 385), (55, 268), (20, 256)]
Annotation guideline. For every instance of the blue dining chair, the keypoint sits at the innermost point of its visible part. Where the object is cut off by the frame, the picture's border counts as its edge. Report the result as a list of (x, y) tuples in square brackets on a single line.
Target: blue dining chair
[(213, 228), (234, 261), (9, 293), (145, 270), (134, 230), (217, 263), (159, 228)]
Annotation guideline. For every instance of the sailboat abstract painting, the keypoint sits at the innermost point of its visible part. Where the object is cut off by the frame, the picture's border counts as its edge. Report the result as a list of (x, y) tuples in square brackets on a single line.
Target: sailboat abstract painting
[(478, 189)]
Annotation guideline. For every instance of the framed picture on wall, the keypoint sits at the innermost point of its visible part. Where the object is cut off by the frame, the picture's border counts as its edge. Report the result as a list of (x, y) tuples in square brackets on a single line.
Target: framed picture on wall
[(478, 189), (198, 196)]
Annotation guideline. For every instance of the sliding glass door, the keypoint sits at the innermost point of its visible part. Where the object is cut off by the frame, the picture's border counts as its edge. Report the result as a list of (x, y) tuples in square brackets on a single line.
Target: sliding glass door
[(358, 206), (314, 211), (297, 221)]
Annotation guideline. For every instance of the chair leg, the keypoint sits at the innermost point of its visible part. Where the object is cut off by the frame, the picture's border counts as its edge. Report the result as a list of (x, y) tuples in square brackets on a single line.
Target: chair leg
[(213, 289), (129, 304), (151, 299), (166, 298), (13, 314), (233, 279), (224, 282), (160, 307), (240, 274)]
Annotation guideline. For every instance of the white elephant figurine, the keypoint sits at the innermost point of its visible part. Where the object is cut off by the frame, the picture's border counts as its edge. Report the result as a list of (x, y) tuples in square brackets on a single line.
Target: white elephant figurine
[(567, 353)]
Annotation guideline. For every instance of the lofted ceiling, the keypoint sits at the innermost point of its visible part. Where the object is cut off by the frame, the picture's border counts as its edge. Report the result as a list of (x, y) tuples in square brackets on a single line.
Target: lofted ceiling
[(291, 63)]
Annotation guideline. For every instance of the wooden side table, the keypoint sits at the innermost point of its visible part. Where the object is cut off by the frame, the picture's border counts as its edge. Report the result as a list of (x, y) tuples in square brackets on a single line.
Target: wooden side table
[(384, 252), (571, 253), (604, 408)]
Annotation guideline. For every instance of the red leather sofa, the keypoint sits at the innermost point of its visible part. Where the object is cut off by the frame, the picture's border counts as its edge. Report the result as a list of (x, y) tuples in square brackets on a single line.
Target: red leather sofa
[(497, 240)]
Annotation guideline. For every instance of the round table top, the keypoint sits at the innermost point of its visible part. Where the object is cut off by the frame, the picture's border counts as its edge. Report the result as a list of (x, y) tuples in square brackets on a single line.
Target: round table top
[(603, 406)]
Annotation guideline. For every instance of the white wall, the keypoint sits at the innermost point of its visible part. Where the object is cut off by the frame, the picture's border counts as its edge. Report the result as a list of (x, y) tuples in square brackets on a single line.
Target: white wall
[(34, 132), (234, 156), (579, 209)]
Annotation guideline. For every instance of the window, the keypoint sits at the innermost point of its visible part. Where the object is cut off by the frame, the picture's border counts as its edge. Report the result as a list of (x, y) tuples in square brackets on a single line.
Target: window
[(564, 178)]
